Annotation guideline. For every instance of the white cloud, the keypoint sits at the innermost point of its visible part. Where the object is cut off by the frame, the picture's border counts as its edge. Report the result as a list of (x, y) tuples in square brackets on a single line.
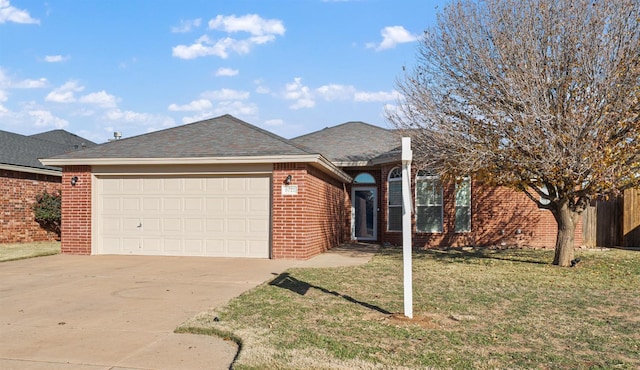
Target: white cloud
[(128, 116), (9, 13), (64, 93), (196, 105), (228, 72), (300, 93), (274, 122), (43, 118), (262, 31), (100, 98), (336, 92), (56, 58), (240, 109), (31, 84), (379, 96), (392, 36), (225, 94), (251, 23), (186, 25), (260, 87)]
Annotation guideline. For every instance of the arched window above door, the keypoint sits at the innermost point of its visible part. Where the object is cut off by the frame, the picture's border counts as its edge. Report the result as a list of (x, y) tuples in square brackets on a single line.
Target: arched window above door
[(364, 179)]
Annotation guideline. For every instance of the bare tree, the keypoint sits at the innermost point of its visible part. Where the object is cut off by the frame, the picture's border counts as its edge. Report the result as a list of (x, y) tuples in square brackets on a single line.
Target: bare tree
[(538, 95)]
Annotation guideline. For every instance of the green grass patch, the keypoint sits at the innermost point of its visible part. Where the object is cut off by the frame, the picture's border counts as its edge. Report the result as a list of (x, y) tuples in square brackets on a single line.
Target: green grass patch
[(18, 251), (482, 309)]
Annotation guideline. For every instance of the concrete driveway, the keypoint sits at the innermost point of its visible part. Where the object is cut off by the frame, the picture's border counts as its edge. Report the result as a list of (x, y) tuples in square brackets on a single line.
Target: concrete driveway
[(118, 312)]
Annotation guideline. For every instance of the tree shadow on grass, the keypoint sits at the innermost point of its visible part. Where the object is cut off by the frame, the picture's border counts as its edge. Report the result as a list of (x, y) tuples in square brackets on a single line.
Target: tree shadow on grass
[(461, 255), (468, 255), (286, 281)]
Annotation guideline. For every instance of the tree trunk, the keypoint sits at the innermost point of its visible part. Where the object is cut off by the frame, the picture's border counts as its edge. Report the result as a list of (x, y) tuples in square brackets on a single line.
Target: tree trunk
[(566, 220)]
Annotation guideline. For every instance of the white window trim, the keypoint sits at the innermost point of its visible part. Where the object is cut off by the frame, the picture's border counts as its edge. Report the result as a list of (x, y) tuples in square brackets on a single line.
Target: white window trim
[(389, 206), (466, 178), (425, 178)]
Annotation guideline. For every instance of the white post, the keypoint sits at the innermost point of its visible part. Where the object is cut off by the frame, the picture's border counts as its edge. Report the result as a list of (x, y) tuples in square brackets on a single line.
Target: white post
[(407, 156)]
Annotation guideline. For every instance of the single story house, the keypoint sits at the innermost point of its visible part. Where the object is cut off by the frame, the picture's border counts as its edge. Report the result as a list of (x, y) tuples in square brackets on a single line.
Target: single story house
[(23, 176), (223, 187)]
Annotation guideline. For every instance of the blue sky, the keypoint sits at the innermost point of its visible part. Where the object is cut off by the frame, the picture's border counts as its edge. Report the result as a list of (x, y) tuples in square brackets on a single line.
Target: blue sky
[(289, 66)]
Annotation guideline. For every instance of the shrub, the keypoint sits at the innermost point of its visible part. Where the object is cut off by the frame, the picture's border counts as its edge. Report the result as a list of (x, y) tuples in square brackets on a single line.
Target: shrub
[(46, 210)]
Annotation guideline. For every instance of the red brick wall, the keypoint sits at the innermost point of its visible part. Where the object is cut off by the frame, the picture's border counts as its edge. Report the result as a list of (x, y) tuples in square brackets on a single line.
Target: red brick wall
[(76, 210), (499, 216), (312, 221), (18, 192)]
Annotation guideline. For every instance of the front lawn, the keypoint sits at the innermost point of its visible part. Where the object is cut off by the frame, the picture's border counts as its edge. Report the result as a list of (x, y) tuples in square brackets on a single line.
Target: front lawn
[(18, 251), (482, 309)]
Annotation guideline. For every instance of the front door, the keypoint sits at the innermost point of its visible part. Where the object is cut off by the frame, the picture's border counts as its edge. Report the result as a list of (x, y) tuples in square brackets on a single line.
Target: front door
[(364, 208)]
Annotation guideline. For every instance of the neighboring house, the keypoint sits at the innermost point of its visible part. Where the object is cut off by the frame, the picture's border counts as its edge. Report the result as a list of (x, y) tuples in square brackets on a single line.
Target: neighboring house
[(223, 187), (23, 176)]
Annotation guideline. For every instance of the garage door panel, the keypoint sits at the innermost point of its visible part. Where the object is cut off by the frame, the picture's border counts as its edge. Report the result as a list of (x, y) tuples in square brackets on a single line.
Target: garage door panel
[(151, 204), (193, 247), (172, 204), (152, 185), (214, 247), (130, 225), (172, 247), (236, 185), (193, 205), (152, 245), (131, 204), (237, 205), (172, 225), (215, 225), (258, 226), (188, 216), (172, 185), (215, 205), (111, 204)]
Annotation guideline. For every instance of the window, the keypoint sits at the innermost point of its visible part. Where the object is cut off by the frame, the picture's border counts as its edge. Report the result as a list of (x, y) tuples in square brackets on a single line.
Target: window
[(394, 207), (364, 178), (463, 206), (428, 203)]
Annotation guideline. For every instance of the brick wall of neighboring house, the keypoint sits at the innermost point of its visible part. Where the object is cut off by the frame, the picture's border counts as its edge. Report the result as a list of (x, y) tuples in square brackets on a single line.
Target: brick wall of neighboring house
[(499, 216), (312, 221), (18, 192), (76, 210)]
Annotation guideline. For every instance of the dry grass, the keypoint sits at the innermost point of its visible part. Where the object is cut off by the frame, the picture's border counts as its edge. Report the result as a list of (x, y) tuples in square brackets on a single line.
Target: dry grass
[(17, 251), (475, 309)]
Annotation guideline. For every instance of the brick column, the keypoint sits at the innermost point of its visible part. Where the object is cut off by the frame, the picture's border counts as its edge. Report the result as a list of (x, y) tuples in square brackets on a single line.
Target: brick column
[(76, 210)]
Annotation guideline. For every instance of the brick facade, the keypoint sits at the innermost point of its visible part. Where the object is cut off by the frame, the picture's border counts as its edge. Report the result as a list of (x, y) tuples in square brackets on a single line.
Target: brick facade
[(499, 216), (314, 220), (76, 210), (18, 191)]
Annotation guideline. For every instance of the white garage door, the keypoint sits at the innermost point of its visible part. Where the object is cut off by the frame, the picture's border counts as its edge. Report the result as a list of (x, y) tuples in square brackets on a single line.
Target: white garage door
[(183, 216)]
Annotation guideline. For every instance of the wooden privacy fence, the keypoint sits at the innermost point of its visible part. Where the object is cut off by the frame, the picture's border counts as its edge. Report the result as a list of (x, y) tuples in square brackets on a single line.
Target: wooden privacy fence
[(614, 222)]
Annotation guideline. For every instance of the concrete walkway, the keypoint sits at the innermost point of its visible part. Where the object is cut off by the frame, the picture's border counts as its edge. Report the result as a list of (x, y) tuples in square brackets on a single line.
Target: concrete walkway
[(119, 312)]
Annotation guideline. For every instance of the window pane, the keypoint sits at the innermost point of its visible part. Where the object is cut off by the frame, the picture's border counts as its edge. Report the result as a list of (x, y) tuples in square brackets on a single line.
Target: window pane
[(395, 219), (463, 219), (395, 193), (463, 193), (428, 192), (364, 178), (429, 219)]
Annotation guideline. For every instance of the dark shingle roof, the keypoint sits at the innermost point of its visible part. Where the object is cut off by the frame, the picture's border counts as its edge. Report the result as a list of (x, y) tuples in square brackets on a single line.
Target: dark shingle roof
[(351, 142), (72, 141), (224, 136), (20, 150)]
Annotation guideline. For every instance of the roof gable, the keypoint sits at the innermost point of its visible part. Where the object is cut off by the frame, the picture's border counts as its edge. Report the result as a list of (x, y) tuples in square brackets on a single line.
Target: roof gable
[(24, 151), (72, 141), (224, 136), (351, 143)]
